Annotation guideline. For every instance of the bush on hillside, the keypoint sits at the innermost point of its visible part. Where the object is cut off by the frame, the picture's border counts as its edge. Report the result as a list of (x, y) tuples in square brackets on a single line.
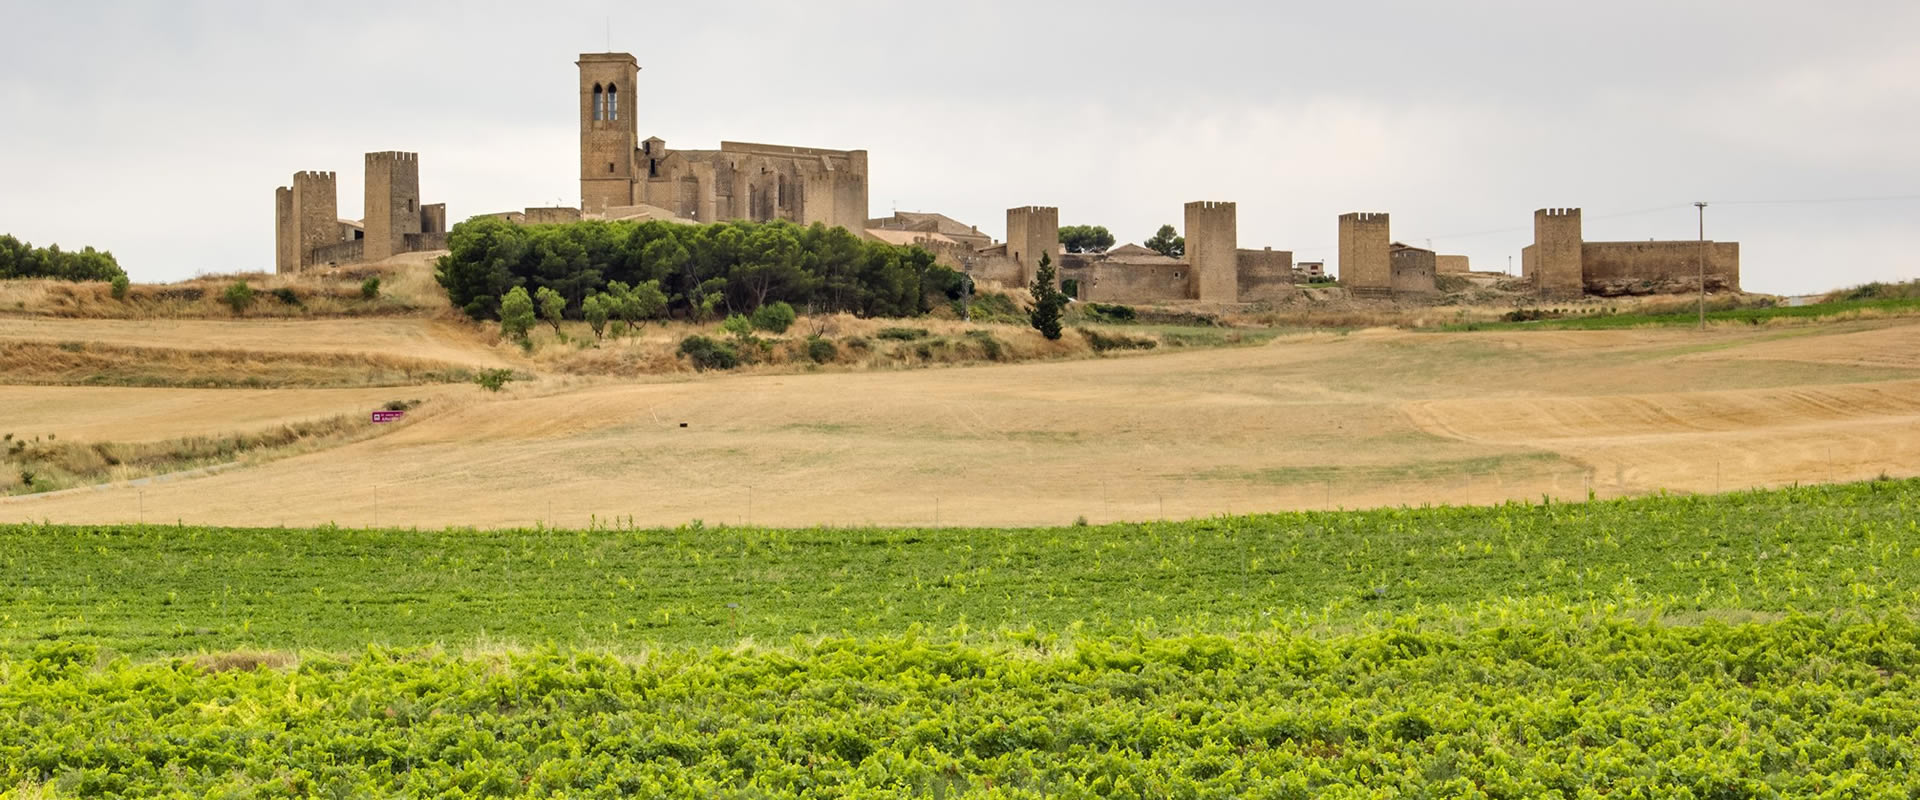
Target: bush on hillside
[(238, 296), (706, 354), (774, 317)]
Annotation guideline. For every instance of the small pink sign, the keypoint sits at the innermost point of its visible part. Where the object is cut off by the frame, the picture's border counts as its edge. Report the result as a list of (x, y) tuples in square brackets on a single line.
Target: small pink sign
[(388, 416)]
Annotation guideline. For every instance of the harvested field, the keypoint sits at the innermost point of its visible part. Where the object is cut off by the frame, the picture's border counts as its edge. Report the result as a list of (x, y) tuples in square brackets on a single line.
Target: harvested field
[(1373, 418), (93, 364)]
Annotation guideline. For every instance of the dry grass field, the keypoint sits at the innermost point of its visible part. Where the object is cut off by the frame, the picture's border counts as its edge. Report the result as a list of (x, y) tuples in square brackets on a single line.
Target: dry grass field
[(1370, 418)]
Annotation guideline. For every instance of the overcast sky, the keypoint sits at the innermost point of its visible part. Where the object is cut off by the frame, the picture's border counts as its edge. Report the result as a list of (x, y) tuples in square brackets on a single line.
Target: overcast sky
[(159, 130)]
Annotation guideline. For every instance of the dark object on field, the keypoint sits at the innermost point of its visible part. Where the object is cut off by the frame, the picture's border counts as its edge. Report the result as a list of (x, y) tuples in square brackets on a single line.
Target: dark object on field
[(683, 424)]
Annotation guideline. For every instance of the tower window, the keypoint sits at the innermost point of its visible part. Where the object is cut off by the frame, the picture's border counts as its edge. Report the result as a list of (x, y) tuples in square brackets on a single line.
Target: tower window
[(599, 103), (609, 168), (613, 101)]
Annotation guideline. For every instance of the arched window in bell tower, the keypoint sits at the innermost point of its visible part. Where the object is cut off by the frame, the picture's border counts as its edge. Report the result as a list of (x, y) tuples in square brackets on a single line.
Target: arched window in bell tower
[(599, 104), (613, 101)]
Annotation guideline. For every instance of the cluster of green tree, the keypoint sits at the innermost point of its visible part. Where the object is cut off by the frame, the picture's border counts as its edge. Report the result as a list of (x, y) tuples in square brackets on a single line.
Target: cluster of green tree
[(701, 271), (20, 259), (1086, 238)]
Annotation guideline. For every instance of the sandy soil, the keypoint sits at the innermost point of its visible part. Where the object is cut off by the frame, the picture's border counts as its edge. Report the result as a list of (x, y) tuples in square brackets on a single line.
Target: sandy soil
[(1311, 421)]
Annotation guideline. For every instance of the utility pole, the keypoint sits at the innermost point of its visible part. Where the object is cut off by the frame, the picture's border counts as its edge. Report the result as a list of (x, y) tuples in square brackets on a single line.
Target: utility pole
[(1703, 264)]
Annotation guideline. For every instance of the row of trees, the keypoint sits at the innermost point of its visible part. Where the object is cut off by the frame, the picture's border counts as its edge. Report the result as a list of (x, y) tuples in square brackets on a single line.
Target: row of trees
[(701, 271), (1097, 239), (20, 259)]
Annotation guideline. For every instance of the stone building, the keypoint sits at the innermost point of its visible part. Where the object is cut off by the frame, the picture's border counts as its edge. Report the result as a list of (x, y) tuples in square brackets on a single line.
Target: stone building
[(1561, 263), (759, 182), (1366, 262), (308, 231)]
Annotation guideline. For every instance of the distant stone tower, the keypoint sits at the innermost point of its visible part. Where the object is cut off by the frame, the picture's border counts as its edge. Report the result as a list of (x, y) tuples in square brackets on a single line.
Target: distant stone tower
[(392, 203), (315, 214), (1032, 231), (286, 257), (1213, 252), (1555, 263), (608, 130), (1365, 263)]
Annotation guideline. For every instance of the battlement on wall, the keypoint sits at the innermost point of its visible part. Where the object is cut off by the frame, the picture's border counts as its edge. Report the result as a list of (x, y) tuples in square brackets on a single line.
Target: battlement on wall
[(1364, 218), (1033, 210), (313, 175), (1557, 212), (392, 155), (1210, 205)]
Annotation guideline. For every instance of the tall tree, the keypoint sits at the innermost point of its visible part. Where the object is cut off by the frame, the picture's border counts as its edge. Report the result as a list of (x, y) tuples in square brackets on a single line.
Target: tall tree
[(1048, 300), (1167, 242)]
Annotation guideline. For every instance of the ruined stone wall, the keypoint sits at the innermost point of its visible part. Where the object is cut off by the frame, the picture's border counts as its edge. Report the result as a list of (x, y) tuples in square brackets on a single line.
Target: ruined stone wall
[(433, 218), (316, 213), (607, 145), (1032, 231), (392, 202), (1265, 275), (1364, 260), (285, 257), (1413, 272), (1451, 264), (1212, 232), (1555, 265), (1616, 268)]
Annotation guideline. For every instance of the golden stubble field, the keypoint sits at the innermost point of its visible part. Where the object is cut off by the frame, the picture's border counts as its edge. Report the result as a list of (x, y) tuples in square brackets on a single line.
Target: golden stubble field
[(1307, 421)]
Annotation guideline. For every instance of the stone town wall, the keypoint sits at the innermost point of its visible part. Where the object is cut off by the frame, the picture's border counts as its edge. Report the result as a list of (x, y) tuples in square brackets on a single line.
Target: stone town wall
[(1212, 245), (551, 216), (1265, 275), (424, 242), (1616, 268), (1106, 282), (351, 251), (1364, 260), (1451, 264)]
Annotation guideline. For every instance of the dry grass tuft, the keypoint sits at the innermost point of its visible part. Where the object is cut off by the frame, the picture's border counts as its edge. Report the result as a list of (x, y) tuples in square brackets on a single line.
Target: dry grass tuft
[(406, 288)]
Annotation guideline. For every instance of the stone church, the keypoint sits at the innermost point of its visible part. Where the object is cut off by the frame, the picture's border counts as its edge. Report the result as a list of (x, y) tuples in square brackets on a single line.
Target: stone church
[(758, 182)]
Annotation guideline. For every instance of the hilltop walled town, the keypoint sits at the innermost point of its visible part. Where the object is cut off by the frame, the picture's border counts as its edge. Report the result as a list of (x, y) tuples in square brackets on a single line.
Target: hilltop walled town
[(624, 177)]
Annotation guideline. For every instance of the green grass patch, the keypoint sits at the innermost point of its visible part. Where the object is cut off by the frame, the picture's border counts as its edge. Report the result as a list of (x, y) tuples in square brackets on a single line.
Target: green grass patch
[(1893, 306)]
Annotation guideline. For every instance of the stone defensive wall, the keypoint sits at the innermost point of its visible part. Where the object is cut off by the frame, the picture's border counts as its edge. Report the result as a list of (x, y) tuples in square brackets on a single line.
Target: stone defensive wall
[(1613, 268), (1265, 275)]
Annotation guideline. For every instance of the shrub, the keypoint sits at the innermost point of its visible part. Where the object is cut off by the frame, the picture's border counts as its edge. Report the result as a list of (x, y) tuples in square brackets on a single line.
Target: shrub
[(239, 297), (286, 295), (1109, 312), (516, 315), (370, 289), (119, 284), (1102, 342), (775, 317), (706, 354), (902, 334), (821, 350), (992, 348), (493, 380), (551, 306)]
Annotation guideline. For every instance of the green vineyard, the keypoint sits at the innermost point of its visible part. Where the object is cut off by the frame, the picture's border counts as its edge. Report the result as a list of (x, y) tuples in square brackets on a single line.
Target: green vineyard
[(1758, 644)]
